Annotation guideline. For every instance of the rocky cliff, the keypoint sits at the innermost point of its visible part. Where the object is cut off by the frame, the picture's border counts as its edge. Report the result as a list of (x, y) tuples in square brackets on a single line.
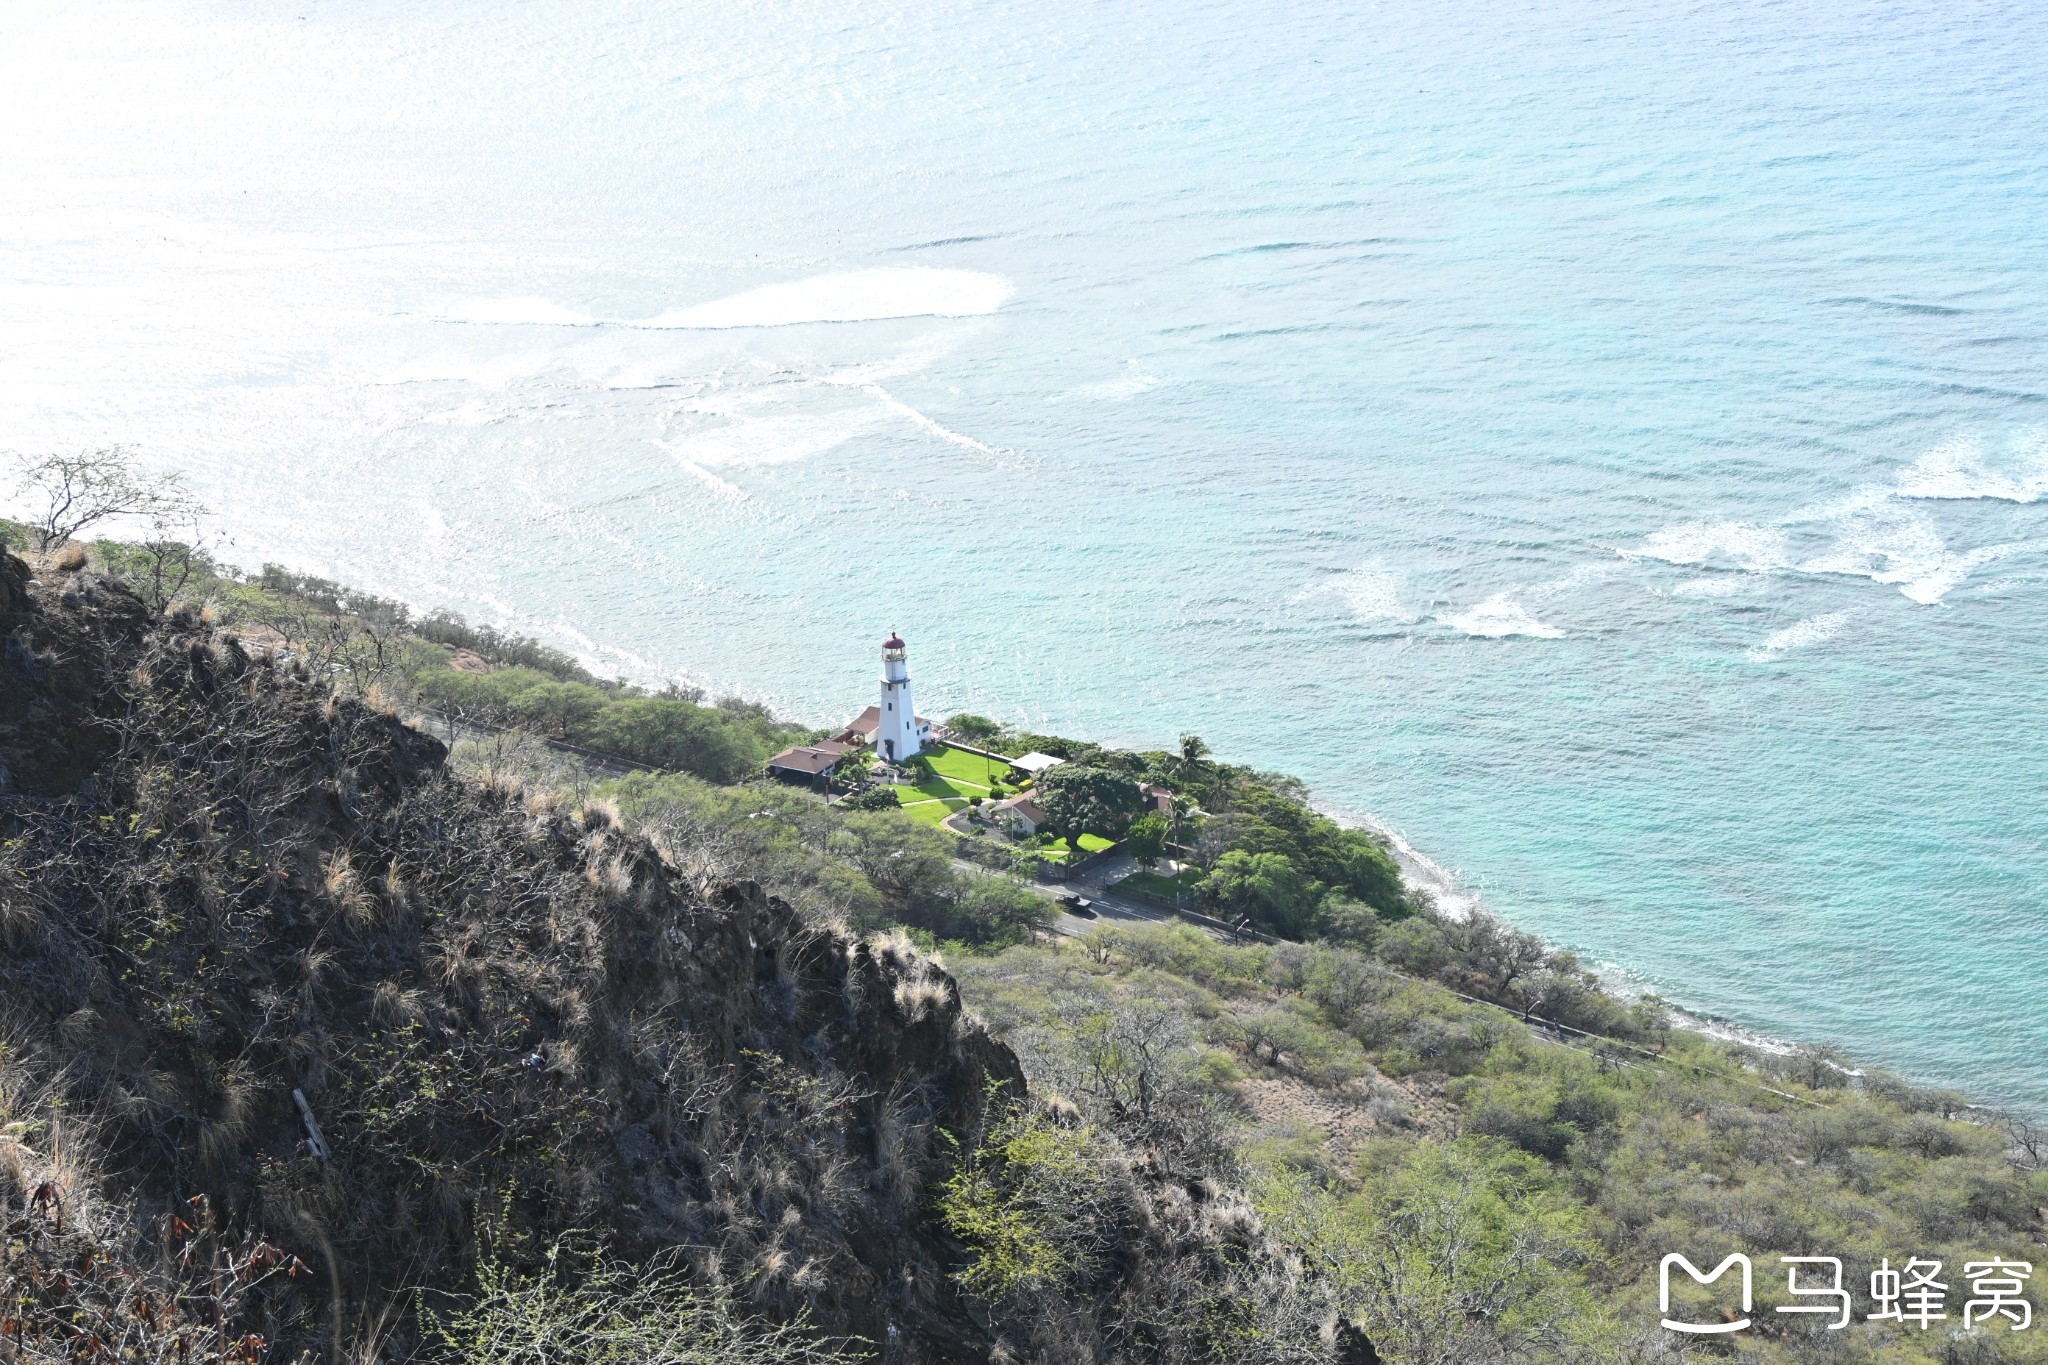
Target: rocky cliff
[(221, 885)]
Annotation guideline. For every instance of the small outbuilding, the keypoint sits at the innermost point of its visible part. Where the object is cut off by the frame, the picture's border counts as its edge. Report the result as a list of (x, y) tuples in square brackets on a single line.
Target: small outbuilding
[(1034, 763), (1020, 813)]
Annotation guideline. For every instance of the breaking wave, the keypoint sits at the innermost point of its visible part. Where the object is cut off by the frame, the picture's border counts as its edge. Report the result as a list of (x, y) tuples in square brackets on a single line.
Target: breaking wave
[(856, 296), (1500, 615), (1962, 469), (1372, 592), (1812, 631), (1876, 533)]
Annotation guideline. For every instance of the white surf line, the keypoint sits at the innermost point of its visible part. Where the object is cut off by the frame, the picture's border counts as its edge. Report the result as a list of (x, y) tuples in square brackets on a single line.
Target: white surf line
[(1456, 901), (897, 405), (723, 487)]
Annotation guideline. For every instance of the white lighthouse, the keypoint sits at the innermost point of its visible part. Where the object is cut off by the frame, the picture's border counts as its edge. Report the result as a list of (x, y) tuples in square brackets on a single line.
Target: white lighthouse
[(898, 732)]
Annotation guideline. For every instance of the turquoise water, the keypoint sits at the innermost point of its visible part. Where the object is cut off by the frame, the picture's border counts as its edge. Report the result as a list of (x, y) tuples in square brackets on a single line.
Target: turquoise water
[(1605, 443)]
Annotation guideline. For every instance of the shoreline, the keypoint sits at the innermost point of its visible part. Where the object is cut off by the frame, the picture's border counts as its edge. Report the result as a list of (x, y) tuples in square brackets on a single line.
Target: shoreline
[(1457, 902), (1447, 889)]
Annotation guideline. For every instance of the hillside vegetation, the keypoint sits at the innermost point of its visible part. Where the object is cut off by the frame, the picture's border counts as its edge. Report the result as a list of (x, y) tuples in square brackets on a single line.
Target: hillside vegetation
[(554, 1071), (676, 1050), (1477, 1188)]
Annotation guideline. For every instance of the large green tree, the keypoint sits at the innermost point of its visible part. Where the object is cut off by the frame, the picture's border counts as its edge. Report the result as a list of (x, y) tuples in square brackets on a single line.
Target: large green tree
[(1147, 840), (1079, 800), (1265, 886)]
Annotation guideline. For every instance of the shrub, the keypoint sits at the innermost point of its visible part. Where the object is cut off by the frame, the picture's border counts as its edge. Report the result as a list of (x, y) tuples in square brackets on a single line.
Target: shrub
[(514, 651), (580, 1308), (976, 730), (872, 798), (1027, 1203)]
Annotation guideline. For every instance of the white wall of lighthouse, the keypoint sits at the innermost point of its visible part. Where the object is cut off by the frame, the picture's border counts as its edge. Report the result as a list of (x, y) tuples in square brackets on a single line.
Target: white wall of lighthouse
[(896, 736)]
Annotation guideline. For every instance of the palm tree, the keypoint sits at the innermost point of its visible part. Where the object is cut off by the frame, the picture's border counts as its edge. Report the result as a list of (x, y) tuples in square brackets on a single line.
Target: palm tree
[(1193, 748), (1177, 816)]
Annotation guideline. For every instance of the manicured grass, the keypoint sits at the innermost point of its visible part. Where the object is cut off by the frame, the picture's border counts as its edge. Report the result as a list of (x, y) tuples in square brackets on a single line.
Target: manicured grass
[(926, 809), (972, 770), (939, 787), (956, 777), (1056, 851), (1153, 884)]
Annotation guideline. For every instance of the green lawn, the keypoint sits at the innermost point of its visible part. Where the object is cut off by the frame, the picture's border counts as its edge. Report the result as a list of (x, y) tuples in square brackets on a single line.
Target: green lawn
[(939, 787), (956, 776), (925, 807), (970, 770), (1154, 884), (933, 799), (1055, 850)]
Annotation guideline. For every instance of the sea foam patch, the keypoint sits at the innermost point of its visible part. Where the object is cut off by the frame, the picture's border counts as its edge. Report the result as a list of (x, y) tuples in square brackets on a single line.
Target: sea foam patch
[(1876, 532), (854, 296), (1964, 469), (1813, 630), (1372, 592), (1896, 545), (1740, 544), (1500, 615)]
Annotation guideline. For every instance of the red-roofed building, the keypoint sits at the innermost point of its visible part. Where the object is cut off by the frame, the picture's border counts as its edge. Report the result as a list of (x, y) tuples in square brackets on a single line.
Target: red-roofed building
[(862, 731), (809, 764), (1020, 813)]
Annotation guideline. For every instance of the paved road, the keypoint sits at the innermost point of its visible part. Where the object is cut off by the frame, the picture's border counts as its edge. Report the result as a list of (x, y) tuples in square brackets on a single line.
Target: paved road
[(1108, 906)]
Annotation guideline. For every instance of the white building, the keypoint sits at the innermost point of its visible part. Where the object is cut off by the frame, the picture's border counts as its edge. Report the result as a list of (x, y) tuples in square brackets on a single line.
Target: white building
[(899, 733), (1035, 762), (1019, 815)]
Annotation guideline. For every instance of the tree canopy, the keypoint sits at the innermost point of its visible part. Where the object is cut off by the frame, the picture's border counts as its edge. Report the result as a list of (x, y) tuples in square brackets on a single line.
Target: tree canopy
[(1079, 800)]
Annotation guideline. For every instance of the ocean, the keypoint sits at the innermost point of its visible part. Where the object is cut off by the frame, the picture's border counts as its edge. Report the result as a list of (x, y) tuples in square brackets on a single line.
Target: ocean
[(1606, 444)]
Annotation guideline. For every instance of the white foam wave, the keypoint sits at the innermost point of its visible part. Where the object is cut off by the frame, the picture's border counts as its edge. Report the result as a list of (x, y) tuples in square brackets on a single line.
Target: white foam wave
[(855, 296), (1898, 546), (1931, 585), (1875, 533), (1501, 615), (1962, 469), (1372, 592), (1742, 544), (901, 408), (1132, 382), (725, 488), (533, 312), (1813, 630), (746, 439), (1446, 889)]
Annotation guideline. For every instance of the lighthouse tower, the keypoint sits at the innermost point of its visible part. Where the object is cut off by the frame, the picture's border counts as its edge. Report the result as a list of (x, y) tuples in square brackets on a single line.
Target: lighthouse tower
[(896, 733)]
